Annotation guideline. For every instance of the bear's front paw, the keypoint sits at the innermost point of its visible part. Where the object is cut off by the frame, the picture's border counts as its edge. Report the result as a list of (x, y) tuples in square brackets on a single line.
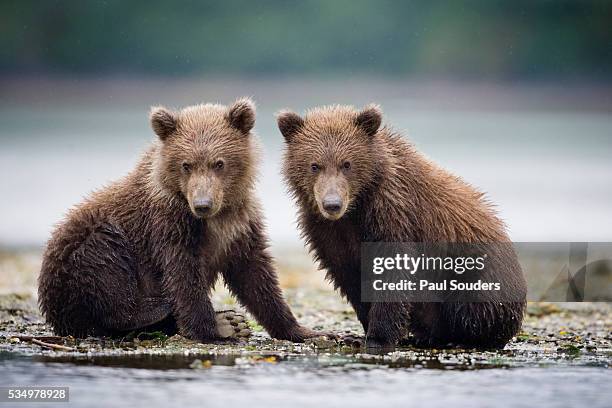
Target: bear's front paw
[(231, 325), (300, 334), (352, 340), (375, 344)]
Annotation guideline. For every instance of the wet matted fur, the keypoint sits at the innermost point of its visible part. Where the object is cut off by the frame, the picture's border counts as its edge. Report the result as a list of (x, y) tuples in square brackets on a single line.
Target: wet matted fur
[(147, 249), (356, 182)]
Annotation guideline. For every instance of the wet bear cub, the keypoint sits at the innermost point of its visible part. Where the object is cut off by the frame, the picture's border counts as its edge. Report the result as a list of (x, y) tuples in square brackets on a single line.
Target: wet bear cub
[(147, 250), (356, 182)]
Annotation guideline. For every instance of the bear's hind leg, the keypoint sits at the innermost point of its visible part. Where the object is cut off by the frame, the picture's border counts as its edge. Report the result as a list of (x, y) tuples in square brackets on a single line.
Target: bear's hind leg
[(148, 311), (88, 286), (479, 324), (387, 324), (231, 325)]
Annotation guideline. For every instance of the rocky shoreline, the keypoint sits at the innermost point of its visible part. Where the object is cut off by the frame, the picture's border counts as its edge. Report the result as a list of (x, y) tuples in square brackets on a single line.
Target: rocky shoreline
[(553, 334)]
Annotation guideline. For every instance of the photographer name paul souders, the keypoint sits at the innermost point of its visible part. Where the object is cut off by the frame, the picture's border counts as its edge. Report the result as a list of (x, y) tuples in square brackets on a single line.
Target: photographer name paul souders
[(441, 286)]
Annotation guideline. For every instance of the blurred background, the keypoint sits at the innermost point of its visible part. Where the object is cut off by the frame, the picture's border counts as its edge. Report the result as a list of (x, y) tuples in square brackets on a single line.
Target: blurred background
[(514, 96)]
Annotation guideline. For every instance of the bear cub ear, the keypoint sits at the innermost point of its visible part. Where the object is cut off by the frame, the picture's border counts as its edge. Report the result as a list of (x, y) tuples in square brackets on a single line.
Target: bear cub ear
[(163, 121), (289, 123), (369, 119), (241, 115)]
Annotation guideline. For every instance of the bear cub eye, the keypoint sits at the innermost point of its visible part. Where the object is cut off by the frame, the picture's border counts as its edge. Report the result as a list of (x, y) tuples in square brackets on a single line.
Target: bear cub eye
[(346, 165), (219, 164), (314, 167), (186, 167)]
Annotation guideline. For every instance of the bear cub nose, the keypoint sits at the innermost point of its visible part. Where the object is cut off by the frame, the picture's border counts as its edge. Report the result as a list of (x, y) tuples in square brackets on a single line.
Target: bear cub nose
[(202, 205), (332, 204)]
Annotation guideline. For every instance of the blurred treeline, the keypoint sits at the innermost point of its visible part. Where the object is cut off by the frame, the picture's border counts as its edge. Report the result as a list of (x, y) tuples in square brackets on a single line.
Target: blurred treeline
[(490, 39)]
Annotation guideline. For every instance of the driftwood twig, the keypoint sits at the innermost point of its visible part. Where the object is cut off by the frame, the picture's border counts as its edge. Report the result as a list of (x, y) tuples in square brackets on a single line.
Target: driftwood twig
[(39, 341)]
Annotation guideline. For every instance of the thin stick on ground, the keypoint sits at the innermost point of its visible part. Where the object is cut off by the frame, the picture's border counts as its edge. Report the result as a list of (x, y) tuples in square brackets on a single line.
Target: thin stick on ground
[(46, 339), (44, 344)]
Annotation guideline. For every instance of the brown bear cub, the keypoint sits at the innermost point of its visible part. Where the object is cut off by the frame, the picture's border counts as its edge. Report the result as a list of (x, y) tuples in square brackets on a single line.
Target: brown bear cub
[(356, 182), (147, 250)]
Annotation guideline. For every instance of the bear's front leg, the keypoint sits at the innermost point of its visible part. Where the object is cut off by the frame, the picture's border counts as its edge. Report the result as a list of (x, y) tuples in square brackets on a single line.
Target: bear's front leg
[(195, 316), (350, 287), (387, 324), (250, 276), (188, 290)]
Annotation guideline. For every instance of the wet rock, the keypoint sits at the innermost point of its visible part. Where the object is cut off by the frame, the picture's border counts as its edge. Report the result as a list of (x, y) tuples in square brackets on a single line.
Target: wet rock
[(322, 342), (198, 364)]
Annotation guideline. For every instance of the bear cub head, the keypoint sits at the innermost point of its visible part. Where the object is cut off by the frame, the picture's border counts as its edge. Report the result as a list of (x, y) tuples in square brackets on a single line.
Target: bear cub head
[(329, 156), (206, 154)]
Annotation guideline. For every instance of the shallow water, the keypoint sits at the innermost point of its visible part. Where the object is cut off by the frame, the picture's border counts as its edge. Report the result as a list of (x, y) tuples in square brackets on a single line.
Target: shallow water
[(299, 381)]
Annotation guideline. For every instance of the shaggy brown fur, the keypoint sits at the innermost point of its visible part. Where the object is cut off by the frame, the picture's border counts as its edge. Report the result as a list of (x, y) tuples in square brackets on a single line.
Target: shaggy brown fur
[(355, 182), (148, 248)]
